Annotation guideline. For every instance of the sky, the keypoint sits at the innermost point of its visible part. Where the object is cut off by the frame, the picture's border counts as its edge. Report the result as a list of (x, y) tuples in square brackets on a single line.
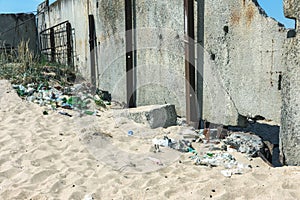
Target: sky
[(273, 8)]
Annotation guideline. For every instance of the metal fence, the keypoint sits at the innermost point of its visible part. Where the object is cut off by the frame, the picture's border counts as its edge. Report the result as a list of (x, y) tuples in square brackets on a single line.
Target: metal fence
[(57, 43)]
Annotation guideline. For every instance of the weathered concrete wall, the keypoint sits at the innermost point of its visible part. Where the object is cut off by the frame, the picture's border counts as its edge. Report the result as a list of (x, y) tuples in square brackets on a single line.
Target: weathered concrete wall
[(15, 28), (77, 14), (242, 62), (160, 53), (290, 119), (110, 45), (110, 30)]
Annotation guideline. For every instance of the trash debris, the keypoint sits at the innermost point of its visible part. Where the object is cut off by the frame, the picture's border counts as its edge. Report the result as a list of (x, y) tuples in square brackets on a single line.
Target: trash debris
[(130, 133), (226, 173), (229, 172), (88, 197), (215, 159), (181, 121), (64, 113), (212, 135), (180, 145), (162, 142), (78, 97), (244, 143)]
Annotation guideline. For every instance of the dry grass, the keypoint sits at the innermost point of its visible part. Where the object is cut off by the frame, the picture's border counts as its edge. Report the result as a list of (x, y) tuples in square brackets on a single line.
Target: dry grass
[(21, 66)]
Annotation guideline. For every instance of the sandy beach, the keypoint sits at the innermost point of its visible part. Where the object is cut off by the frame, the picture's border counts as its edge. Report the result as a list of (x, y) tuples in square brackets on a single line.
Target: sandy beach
[(59, 157)]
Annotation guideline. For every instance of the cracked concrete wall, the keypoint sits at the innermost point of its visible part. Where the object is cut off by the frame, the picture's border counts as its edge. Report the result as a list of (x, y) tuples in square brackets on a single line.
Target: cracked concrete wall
[(290, 119), (242, 62), (16, 28)]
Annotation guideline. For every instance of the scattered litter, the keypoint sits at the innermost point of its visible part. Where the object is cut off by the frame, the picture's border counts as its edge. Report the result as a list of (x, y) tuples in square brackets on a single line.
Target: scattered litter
[(229, 172), (226, 173), (130, 133), (215, 159), (244, 143), (88, 197), (180, 145), (212, 135), (64, 113), (162, 142), (79, 97)]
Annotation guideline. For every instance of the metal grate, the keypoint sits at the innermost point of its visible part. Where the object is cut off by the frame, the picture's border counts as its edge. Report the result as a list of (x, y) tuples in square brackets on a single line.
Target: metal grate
[(57, 43)]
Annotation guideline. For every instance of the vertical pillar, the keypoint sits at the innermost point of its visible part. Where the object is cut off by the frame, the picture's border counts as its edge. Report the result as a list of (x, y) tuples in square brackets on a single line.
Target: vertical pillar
[(92, 41), (191, 107), (200, 57), (290, 119), (52, 44), (69, 43), (131, 100)]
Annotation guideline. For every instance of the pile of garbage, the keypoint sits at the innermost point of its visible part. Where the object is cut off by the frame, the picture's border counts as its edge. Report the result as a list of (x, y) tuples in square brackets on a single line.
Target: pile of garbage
[(180, 145), (219, 150), (78, 97), (215, 159), (244, 143)]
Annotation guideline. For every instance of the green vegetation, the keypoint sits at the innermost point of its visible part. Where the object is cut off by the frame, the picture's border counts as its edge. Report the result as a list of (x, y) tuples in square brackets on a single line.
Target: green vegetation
[(40, 81)]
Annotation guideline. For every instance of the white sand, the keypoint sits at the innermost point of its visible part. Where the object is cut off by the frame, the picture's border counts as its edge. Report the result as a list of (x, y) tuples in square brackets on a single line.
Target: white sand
[(59, 157)]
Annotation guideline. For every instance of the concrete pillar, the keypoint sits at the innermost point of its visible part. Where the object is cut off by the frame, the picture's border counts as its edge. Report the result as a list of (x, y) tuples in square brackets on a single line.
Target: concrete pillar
[(290, 114)]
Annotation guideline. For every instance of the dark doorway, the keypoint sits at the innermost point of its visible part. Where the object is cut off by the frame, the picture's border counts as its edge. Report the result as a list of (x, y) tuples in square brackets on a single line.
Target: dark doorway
[(93, 49)]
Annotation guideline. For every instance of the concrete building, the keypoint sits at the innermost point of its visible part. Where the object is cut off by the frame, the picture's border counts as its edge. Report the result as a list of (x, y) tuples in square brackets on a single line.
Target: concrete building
[(15, 28)]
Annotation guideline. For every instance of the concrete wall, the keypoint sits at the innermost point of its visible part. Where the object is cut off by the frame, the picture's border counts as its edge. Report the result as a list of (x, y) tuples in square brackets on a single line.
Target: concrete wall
[(243, 50), (110, 45), (15, 28), (76, 12), (242, 54), (290, 119), (160, 53), (110, 30), (159, 44)]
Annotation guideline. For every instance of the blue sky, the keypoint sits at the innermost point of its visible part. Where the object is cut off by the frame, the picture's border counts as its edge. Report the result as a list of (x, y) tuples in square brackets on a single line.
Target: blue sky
[(273, 8)]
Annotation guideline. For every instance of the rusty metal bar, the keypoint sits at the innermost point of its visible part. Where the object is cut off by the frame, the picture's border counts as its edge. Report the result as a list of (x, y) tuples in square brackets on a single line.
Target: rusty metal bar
[(54, 26), (52, 44), (131, 100), (69, 43), (92, 41), (56, 42), (191, 108)]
